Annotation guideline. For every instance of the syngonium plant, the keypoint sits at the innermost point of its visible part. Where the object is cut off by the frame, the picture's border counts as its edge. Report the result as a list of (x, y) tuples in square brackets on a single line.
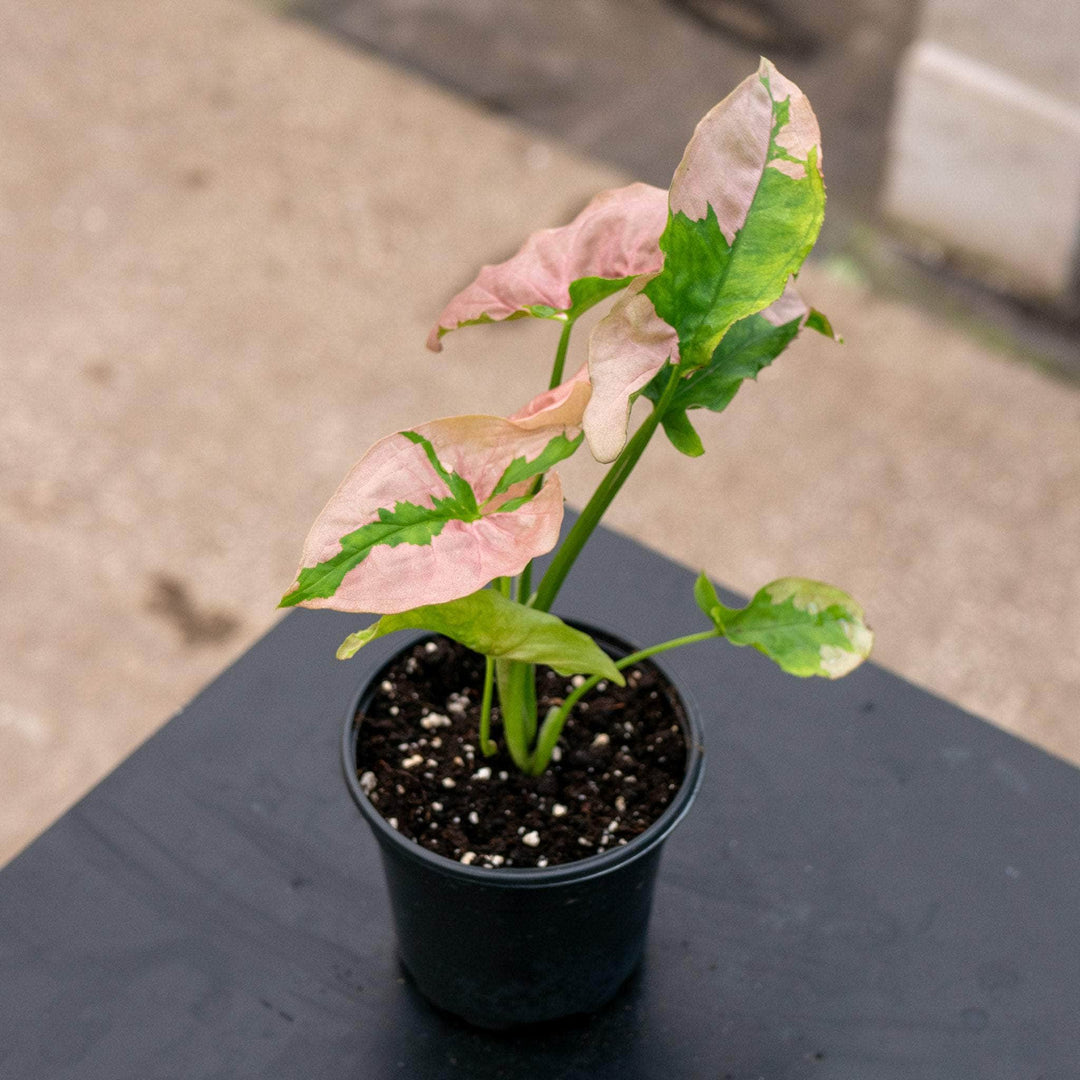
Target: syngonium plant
[(436, 527)]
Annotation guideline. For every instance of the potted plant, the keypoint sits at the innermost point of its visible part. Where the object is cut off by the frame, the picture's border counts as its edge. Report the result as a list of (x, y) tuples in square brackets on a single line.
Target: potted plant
[(521, 890)]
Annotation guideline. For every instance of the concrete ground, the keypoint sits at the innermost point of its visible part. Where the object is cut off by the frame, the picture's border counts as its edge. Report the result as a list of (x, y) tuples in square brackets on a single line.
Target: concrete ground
[(625, 81), (225, 236)]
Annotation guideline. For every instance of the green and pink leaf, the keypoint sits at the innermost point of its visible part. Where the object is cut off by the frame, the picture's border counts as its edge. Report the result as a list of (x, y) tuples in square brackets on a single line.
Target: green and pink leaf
[(627, 357), (433, 514), (749, 346), (746, 204), (562, 272)]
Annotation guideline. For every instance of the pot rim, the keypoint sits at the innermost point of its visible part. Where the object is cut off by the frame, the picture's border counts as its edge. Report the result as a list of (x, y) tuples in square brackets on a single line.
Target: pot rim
[(531, 876)]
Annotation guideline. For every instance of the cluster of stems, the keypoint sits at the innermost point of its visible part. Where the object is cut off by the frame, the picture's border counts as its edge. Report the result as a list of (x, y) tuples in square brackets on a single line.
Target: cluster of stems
[(530, 743)]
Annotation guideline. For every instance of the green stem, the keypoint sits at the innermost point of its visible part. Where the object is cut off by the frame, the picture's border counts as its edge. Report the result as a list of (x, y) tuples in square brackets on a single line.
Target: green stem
[(560, 355), (516, 685), (487, 747), (525, 580), (601, 499), (557, 715), (525, 584)]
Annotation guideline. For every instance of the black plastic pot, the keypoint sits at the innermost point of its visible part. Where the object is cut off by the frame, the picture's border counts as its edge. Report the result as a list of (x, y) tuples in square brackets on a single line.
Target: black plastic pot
[(505, 947)]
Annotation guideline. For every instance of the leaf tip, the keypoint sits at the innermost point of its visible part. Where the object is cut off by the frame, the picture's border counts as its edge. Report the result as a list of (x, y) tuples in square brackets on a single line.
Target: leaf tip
[(706, 599), (355, 642), (819, 321)]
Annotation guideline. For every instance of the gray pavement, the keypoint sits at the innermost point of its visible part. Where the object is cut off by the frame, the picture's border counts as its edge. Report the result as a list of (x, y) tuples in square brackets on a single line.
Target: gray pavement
[(225, 237), (625, 81)]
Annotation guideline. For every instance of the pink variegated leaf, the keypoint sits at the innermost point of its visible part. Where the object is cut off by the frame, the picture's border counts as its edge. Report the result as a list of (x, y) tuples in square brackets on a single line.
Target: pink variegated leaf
[(747, 202), (563, 405), (565, 270), (433, 514), (723, 162), (626, 349), (627, 359), (766, 121)]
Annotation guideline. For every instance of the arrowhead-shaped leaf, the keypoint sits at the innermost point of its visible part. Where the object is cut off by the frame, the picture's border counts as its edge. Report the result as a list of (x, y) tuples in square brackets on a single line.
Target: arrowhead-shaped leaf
[(746, 205), (806, 627), (747, 202), (626, 349), (489, 623), (433, 514), (567, 270), (748, 347)]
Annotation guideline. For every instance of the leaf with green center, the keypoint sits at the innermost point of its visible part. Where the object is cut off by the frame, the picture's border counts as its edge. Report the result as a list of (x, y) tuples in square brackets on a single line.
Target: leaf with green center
[(747, 202), (415, 521), (522, 468), (806, 627), (407, 523), (463, 498), (489, 623), (560, 273), (747, 348), (746, 205)]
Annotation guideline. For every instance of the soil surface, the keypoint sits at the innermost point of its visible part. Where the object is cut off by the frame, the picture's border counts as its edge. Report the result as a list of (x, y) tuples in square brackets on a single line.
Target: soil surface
[(618, 764)]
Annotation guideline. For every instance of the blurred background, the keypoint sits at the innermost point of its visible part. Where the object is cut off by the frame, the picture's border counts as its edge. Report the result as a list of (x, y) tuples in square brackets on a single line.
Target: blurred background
[(226, 227)]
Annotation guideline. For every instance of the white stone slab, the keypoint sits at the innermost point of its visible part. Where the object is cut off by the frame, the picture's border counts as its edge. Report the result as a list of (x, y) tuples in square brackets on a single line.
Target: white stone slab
[(1035, 41), (987, 165)]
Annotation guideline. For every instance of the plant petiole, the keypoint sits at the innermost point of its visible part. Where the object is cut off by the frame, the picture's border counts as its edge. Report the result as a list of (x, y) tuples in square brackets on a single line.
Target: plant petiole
[(557, 715), (560, 355), (487, 746), (601, 499)]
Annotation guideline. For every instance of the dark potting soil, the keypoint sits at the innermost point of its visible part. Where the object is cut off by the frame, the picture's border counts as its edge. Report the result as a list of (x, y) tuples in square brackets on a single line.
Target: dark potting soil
[(618, 764)]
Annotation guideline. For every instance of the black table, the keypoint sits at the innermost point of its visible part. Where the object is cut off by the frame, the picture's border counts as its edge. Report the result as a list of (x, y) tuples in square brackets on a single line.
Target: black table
[(873, 885)]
